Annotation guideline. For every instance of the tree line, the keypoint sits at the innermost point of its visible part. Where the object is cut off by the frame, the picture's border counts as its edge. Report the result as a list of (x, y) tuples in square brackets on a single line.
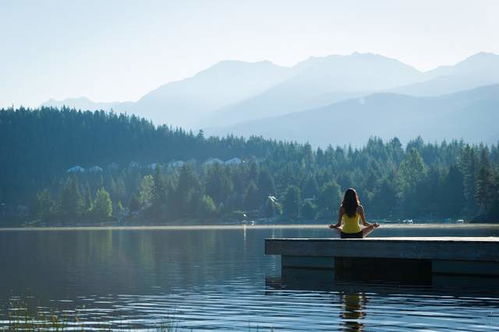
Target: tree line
[(130, 170)]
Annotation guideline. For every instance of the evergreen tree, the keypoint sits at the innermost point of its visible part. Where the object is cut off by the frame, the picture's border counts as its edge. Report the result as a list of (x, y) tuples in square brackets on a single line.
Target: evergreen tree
[(292, 202), (72, 204), (119, 211), (218, 184), (385, 201), (410, 177), (45, 205), (158, 193), (329, 199), (103, 206), (310, 188), (266, 185), (493, 213), (412, 170), (134, 204), (309, 210), (149, 191), (484, 184), (452, 193), (206, 207), (252, 200), (188, 185), (468, 166)]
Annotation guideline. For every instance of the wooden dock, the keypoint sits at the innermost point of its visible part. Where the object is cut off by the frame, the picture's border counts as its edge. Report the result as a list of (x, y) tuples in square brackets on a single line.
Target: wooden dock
[(397, 256)]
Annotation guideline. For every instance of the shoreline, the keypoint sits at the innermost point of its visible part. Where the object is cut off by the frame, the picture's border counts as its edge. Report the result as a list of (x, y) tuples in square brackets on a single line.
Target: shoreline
[(234, 227)]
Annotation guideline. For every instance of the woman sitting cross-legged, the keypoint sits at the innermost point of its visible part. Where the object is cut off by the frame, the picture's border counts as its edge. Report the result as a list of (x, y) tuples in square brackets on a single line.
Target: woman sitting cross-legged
[(350, 213)]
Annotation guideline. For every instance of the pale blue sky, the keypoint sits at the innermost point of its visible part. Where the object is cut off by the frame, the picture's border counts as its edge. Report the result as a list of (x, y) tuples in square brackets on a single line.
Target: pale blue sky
[(116, 50)]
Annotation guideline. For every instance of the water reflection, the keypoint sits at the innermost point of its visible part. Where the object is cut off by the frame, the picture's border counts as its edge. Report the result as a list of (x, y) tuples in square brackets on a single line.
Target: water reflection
[(325, 280), (352, 306), (444, 305), (218, 279)]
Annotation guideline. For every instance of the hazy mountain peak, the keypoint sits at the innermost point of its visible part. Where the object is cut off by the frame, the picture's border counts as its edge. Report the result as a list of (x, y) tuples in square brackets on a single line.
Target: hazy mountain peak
[(85, 103), (482, 55), (479, 63), (471, 115), (358, 71), (80, 99), (184, 102), (239, 65), (233, 91)]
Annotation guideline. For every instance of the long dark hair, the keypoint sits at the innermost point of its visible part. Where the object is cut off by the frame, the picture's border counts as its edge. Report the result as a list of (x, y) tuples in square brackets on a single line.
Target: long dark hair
[(350, 202)]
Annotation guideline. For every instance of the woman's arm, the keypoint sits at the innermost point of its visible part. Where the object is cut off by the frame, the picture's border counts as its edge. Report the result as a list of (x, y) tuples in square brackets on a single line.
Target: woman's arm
[(341, 211), (362, 216)]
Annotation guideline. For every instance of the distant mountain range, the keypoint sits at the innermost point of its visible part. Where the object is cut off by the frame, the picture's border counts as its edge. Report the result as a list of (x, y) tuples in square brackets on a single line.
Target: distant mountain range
[(85, 103), (184, 103), (317, 100), (477, 70), (471, 115)]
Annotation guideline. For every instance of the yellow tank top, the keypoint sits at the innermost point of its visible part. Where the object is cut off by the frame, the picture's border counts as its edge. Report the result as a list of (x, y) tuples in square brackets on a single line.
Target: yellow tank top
[(351, 224)]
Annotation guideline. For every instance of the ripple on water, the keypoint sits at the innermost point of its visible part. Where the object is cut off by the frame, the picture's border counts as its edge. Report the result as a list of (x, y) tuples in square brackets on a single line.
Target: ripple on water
[(297, 311), (214, 279)]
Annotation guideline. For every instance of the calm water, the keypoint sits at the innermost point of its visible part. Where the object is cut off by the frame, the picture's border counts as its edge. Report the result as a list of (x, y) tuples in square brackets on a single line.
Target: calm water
[(220, 279)]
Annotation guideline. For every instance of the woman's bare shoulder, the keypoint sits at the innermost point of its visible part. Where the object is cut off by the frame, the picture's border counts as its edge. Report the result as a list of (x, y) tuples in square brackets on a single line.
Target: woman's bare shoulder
[(360, 208)]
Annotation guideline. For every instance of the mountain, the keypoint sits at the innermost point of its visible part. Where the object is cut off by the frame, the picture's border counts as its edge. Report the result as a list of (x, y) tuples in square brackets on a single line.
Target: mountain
[(471, 115), (183, 103), (318, 82), (84, 103), (477, 70), (232, 92)]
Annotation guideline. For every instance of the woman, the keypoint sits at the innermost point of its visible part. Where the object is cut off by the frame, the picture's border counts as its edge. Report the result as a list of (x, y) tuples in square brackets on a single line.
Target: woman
[(350, 213)]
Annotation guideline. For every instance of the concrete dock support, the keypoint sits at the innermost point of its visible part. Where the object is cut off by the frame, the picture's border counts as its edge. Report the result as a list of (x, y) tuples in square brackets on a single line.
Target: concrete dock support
[(385, 257)]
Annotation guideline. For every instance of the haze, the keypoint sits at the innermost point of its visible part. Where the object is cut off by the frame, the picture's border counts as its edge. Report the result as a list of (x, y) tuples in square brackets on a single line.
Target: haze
[(120, 50)]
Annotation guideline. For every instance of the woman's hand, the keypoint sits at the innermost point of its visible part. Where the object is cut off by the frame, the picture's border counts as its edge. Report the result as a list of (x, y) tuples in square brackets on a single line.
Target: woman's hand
[(334, 226)]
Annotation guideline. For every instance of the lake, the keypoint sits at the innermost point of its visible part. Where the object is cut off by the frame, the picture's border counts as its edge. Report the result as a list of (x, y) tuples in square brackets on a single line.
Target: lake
[(205, 278)]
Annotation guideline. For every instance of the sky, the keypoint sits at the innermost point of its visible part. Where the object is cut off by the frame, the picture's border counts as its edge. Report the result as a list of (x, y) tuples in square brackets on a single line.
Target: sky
[(118, 50)]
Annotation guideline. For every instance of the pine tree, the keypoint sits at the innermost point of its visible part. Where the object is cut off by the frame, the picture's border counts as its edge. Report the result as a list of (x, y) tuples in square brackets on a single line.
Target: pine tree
[(266, 185), (103, 206), (134, 204), (468, 166), (292, 202), (309, 210), (158, 192), (329, 199), (412, 169), (252, 198), (119, 211), (452, 193), (147, 188), (218, 184), (484, 184), (72, 203), (45, 205), (206, 207), (310, 188), (188, 185)]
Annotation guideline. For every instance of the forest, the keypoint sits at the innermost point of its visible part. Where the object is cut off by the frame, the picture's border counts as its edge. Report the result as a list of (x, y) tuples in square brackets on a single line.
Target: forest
[(70, 167)]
